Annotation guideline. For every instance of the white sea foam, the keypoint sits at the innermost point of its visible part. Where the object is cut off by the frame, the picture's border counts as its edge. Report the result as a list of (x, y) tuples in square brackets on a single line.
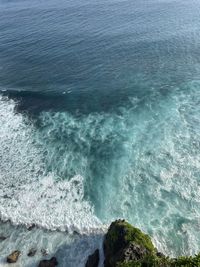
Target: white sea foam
[(28, 193)]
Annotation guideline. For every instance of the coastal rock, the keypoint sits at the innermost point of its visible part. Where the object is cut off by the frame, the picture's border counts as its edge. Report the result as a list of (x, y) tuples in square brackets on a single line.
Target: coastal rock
[(127, 246), (123, 243), (32, 252), (93, 259), (13, 257), (48, 263), (133, 252)]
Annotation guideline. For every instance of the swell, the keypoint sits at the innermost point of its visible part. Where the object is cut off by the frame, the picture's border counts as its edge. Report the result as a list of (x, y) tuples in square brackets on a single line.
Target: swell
[(84, 102), (77, 103)]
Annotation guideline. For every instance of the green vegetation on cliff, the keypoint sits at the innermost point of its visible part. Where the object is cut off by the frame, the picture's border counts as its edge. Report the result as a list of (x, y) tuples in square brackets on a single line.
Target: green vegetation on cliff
[(122, 233), (127, 246), (155, 261)]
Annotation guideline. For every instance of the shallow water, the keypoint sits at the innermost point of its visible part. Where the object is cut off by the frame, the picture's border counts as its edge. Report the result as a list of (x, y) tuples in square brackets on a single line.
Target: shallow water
[(100, 119)]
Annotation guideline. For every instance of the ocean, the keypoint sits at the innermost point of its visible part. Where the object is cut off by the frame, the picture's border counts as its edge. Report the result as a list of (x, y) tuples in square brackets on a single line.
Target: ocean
[(99, 120)]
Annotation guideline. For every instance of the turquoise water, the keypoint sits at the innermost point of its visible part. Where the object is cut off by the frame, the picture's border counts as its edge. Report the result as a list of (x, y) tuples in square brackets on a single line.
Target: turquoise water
[(100, 119)]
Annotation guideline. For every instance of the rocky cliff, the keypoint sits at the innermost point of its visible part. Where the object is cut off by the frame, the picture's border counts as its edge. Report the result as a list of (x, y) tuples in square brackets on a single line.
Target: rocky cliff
[(127, 246)]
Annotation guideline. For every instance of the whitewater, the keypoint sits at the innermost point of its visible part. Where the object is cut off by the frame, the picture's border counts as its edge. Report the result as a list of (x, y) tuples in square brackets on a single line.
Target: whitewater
[(146, 164)]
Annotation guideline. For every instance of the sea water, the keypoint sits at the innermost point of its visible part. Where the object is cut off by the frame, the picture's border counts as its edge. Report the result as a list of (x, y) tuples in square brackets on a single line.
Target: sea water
[(99, 120)]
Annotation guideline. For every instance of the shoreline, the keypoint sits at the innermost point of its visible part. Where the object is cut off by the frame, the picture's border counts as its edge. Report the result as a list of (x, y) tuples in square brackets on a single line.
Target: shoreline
[(122, 245)]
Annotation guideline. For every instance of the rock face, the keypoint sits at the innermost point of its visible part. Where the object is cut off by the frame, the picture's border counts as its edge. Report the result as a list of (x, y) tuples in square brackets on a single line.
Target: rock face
[(13, 257), (124, 243), (48, 263), (93, 260), (127, 246), (134, 252), (32, 252)]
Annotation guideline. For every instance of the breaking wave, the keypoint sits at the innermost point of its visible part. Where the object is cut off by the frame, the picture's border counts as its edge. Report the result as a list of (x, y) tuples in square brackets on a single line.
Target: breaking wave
[(29, 194), (78, 172)]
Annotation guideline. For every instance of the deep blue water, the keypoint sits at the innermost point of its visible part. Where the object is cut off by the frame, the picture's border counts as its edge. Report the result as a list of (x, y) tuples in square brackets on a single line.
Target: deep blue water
[(100, 117)]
